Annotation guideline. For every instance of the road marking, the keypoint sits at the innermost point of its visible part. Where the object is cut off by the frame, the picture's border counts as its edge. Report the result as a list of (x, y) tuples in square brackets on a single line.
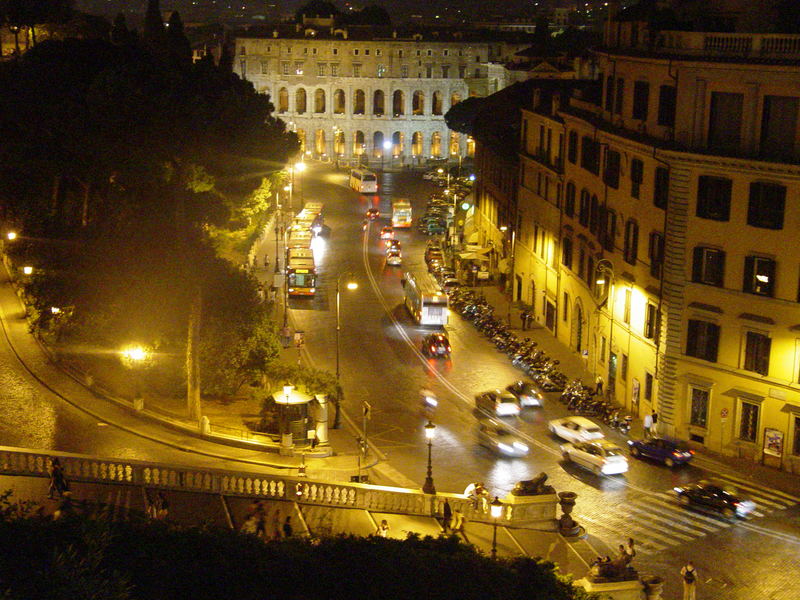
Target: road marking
[(775, 534), (743, 482), (648, 513), (662, 498), (652, 544), (675, 512)]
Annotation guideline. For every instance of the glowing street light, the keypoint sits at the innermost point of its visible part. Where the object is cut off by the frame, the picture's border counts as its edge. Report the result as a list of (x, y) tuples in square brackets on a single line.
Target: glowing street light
[(496, 511), (11, 236), (135, 357), (27, 270), (430, 432)]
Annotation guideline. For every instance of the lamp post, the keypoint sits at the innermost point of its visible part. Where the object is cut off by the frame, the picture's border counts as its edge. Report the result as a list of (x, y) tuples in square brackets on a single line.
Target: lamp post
[(495, 510), (428, 487), (387, 146), (351, 285), (605, 295), (135, 357), (504, 228)]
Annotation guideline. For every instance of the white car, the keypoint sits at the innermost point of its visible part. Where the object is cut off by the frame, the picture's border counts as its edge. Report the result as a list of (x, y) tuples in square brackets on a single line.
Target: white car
[(575, 429), (600, 456), (497, 404), (498, 438)]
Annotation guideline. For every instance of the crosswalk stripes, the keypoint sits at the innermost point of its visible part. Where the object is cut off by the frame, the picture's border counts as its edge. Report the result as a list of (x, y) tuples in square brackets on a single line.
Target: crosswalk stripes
[(657, 522)]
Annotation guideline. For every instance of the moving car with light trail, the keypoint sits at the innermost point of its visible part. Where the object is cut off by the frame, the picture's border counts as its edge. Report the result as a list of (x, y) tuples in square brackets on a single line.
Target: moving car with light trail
[(600, 456), (575, 429), (500, 439), (669, 452), (716, 496)]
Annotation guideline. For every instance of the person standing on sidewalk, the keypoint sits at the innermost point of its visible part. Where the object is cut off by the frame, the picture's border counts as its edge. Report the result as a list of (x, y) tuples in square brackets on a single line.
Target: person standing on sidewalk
[(598, 390), (654, 428), (58, 481), (447, 515), (648, 426), (689, 574)]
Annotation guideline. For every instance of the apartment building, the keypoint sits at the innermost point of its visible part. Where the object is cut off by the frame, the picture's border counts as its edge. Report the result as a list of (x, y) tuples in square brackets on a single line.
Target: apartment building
[(656, 226), (368, 93)]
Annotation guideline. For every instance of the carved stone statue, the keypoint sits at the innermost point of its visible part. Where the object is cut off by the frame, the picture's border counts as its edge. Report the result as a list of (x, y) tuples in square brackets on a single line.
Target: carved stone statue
[(533, 487)]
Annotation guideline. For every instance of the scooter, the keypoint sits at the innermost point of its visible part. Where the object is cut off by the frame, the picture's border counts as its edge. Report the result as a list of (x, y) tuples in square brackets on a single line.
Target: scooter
[(625, 425), (429, 399)]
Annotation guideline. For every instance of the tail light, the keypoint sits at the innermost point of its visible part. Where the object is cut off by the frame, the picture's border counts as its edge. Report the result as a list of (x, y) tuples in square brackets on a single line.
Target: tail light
[(448, 348)]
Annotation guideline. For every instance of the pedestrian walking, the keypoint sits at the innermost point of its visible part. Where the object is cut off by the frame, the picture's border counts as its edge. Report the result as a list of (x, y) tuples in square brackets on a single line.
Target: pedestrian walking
[(58, 481), (287, 527), (523, 316), (648, 426), (598, 390), (383, 529), (447, 515), (689, 574), (630, 547), (273, 293), (458, 521), (654, 428), (266, 261)]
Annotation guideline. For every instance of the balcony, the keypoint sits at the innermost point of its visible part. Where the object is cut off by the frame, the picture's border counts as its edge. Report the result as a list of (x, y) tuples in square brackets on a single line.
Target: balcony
[(728, 45)]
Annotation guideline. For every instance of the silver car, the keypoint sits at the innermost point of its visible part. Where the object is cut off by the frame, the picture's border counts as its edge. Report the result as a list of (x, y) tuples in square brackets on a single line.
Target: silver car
[(499, 439), (600, 456)]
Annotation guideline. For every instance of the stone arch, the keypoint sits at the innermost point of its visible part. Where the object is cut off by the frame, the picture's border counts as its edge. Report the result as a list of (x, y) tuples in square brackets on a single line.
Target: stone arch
[(283, 100), (319, 101), (416, 144), (359, 102), (398, 143), (377, 144), (418, 103), (319, 142), (358, 143), (300, 101), (437, 106), (338, 142), (436, 144), (339, 102), (455, 98), (378, 103), (455, 143), (398, 103)]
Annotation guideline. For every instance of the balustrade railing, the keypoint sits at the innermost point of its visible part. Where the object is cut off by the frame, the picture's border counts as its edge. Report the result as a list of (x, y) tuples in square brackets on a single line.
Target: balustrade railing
[(539, 511)]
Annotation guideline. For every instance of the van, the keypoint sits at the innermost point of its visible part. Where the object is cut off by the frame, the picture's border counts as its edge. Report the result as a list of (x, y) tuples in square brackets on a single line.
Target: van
[(497, 403)]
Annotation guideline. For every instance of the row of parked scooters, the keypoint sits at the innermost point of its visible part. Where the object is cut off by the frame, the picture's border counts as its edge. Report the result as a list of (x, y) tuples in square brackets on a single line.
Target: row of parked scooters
[(584, 400), (523, 353)]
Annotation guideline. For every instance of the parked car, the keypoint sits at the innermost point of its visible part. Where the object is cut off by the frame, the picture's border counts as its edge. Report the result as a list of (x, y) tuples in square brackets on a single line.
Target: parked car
[(600, 456), (373, 213), (387, 233), (393, 258), (717, 496), (575, 429), (527, 393), (497, 403), (436, 345), (499, 439), (669, 452)]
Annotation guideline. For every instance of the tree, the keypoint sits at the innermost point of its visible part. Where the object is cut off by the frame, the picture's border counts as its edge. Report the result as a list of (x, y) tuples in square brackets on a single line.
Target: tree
[(461, 117), (316, 8)]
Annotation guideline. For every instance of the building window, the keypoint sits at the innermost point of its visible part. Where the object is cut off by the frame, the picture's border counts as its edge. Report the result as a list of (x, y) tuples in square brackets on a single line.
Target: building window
[(445, 71), (590, 155), (714, 197), (725, 121), (430, 52), (648, 386), (702, 340), (572, 147), (429, 71), (779, 126), (626, 312), (698, 413), (321, 69), (666, 105), (566, 252), (404, 71), (611, 173), (285, 68), (655, 253), (356, 51), (334, 70), (623, 369), (265, 67), (400, 53), (631, 251), (708, 266), (602, 349), (378, 52), (641, 96), (366, 51), (651, 318), (608, 231), (759, 276), (381, 70), (619, 96), (748, 426), (566, 307), (356, 70), (583, 212), (335, 51), (796, 441), (637, 176), (661, 191), (756, 352), (298, 67), (765, 208), (569, 200)]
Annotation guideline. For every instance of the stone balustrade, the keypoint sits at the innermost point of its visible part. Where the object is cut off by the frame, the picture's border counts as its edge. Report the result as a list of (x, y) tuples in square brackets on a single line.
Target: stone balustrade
[(531, 511)]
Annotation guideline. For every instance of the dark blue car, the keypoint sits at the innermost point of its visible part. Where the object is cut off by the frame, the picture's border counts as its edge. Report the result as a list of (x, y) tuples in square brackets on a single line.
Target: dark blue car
[(669, 452)]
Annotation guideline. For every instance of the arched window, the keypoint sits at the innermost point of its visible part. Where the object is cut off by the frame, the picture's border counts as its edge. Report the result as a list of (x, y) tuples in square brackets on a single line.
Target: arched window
[(378, 103), (319, 101), (300, 101), (416, 144), (319, 142), (398, 103), (436, 144), (470, 146), (569, 200), (566, 252), (358, 102), (358, 143), (437, 103), (398, 143), (455, 146), (283, 100), (338, 142), (377, 144), (338, 102), (418, 103)]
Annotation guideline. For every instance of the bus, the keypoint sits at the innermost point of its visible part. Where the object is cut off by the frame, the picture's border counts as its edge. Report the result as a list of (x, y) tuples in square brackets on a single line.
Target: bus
[(301, 273), (300, 238), (401, 213), (424, 299), (314, 211), (364, 181)]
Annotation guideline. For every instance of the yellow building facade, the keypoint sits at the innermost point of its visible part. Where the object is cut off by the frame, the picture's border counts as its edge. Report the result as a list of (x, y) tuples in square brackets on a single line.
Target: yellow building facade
[(656, 232)]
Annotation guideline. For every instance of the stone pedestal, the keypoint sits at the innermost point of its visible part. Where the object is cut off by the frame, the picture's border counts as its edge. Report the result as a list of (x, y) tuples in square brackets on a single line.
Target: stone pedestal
[(617, 590), (286, 448)]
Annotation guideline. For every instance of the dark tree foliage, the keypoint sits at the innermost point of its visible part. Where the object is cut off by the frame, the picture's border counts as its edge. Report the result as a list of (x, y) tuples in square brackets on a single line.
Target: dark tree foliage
[(159, 562), (371, 14), (461, 117), (316, 8)]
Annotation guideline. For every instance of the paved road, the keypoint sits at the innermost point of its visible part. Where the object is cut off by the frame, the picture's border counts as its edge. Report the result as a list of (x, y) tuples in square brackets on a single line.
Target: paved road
[(380, 363)]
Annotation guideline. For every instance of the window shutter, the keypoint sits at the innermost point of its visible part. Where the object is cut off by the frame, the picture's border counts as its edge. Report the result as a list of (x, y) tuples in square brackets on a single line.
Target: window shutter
[(713, 342), (691, 338), (749, 273), (697, 264), (764, 357)]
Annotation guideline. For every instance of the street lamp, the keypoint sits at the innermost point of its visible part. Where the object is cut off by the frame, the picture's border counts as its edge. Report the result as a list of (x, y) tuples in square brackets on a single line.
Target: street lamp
[(387, 145), (11, 236), (504, 228), (351, 285), (428, 487), (135, 357), (496, 511)]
